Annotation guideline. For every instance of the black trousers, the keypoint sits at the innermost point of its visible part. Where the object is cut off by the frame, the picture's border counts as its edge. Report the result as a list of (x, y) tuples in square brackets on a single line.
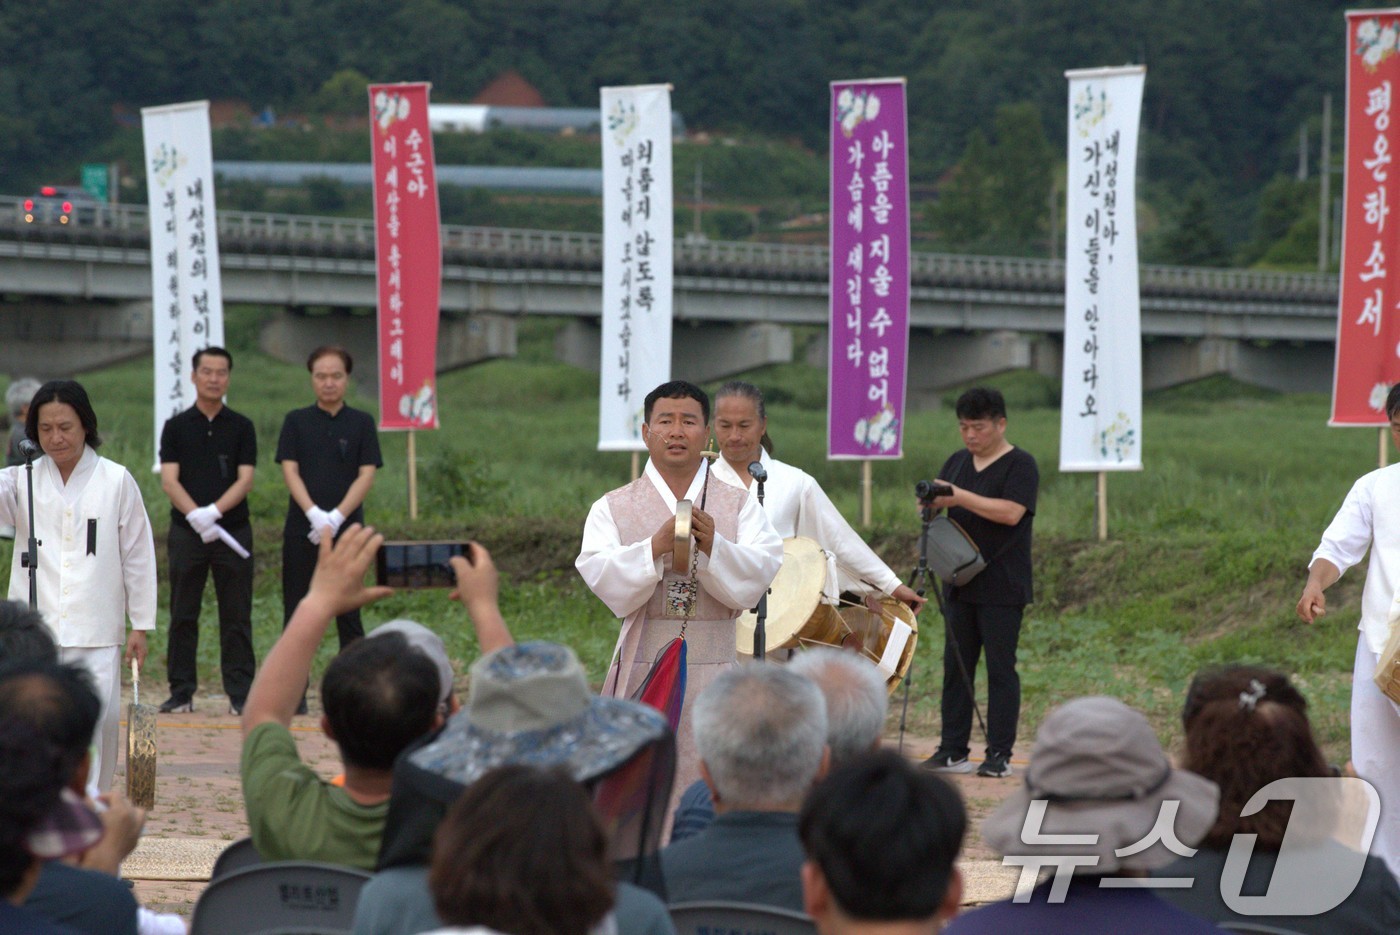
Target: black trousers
[(298, 563), (191, 561), (995, 628)]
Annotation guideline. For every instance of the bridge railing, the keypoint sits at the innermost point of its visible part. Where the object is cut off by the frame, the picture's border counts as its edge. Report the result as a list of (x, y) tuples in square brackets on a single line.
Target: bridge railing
[(260, 232)]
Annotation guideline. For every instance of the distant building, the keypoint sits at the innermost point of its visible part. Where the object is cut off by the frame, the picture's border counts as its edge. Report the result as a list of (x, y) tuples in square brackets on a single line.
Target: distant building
[(509, 89), (479, 118), (510, 102)]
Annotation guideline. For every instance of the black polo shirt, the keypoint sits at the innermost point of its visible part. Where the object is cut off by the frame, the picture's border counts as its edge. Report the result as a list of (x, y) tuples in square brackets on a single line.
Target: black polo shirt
[(209, 452), (329, 451), (1015, 477)]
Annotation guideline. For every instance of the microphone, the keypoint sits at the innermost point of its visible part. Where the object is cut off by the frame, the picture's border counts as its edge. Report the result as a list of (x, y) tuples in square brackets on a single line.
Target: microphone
[(757, 472), (29, 449)]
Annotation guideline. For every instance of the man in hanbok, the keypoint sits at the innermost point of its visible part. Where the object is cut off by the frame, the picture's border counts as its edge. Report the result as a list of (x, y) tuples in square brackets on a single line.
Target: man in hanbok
[(627, 558)]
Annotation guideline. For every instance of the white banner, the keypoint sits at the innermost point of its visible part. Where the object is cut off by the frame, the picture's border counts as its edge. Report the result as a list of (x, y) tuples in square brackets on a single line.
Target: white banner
[(637, 234), (187, 304), (1101, 396)]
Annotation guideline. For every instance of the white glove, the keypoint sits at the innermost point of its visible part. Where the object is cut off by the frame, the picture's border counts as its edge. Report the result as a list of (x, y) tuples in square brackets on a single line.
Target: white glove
[(202, 518), (336, 519), (319, 520), (211, 534)]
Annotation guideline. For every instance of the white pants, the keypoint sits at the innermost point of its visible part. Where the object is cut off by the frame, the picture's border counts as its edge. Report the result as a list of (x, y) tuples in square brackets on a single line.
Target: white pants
[(104, 662), (1375, 751)]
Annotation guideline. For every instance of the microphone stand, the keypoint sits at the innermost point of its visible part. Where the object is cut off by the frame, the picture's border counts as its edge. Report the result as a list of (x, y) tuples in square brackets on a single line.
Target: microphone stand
[(760, 637), (30, 559)]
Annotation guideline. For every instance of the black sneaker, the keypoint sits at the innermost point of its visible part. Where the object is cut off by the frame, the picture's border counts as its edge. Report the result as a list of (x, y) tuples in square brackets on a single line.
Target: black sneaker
[(995, 766), (235, 708), (301, 708), (946, 761), (175, 705)]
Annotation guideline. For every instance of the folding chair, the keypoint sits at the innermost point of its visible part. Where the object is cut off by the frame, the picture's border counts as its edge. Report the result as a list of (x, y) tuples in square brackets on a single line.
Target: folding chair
[(730, 918), (236, 856), (288, 897)]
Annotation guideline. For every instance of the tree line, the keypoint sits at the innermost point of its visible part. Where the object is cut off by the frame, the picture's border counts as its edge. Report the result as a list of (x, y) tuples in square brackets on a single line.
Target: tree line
[(1229, 84)]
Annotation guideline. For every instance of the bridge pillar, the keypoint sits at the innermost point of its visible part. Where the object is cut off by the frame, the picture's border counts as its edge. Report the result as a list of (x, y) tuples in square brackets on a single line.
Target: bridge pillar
[(52, 339), (700, 351), (1286, 367), (462, 339)]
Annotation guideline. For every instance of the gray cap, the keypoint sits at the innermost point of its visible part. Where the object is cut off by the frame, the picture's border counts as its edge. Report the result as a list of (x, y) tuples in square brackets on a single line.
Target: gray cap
[(427, 642), (1100, 770)]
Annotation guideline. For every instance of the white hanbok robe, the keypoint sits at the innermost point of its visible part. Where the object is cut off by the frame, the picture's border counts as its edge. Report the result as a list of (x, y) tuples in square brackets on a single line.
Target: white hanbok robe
[(797, 506), (1368, 520), (87, 585), (628, 580)]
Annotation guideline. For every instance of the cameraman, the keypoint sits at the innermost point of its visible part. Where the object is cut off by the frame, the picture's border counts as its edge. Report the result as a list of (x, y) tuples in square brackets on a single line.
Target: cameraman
[(993, 495)]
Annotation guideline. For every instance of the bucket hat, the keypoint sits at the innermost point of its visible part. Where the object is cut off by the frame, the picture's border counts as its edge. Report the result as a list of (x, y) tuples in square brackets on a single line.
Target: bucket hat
[(529, 703), (1100, 771)]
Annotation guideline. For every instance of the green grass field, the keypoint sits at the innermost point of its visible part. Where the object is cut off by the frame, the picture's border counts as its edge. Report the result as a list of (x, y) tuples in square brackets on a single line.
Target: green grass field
[(1205, 559)]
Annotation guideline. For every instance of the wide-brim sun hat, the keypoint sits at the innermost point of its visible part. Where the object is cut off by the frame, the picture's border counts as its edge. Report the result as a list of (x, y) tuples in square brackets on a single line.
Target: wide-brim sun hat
[(1099, 770), (530, 704)]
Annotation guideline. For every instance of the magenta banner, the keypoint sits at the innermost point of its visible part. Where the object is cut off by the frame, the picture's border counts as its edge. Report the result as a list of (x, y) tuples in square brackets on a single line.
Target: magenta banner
[(870, 261)]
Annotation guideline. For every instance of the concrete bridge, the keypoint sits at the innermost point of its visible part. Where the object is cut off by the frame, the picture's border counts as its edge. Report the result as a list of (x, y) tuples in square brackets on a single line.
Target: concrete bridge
[(78, 296)]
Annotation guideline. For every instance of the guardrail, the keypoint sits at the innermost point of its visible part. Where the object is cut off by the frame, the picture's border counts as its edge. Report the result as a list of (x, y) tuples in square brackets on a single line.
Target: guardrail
[(257, 232)]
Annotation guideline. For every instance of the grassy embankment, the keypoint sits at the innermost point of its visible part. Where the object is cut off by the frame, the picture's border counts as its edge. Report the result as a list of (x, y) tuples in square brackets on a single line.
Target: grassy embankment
[(1204, 562)]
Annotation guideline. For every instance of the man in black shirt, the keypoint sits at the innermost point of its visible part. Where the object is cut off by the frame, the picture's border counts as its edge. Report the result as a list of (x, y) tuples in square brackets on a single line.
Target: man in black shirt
[(994, 489), (207, 455), (329, 453)]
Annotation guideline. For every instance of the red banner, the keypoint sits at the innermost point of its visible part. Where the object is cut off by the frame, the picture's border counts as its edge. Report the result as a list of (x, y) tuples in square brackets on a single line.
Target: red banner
[(1368, 320), (407, 253)]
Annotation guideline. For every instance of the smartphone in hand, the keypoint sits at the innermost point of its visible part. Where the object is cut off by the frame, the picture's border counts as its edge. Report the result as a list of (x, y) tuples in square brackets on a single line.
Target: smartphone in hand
[(418, 564)]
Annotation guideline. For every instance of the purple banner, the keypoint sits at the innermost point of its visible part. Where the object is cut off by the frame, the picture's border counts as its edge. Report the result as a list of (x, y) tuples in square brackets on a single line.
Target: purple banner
[(870, 262)]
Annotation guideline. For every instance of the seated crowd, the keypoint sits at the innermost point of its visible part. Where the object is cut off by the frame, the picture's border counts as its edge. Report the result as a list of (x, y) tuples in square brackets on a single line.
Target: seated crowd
[(537, 806)]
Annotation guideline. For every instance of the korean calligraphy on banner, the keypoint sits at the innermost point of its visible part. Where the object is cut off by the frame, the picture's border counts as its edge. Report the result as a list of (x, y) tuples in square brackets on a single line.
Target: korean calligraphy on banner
[(1368, 335), (1101, 407), (637, 259), (870, 263), (187, 305), (407, 253)]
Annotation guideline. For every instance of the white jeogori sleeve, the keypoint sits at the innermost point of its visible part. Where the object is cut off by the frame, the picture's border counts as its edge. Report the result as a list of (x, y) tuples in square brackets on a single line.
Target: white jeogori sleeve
[(737, 573), (819, 519), (623, 575), (138, 552), (1348, 536)]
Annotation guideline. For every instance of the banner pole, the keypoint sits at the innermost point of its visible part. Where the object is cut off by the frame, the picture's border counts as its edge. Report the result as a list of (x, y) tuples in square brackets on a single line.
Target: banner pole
[(865, 487), (412, 475), (636, 464), (1102, 507)]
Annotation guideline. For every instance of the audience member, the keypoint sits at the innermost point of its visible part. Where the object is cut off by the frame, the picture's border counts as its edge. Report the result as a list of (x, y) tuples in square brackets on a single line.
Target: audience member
[(17, 398), (24, 637), (66, 892), (527, 704), (522, 852), (1097, 771), (761, 734), (58, 708), (881, 838), (378, 697), (38, 823), (1247, 726), (856, 703), (429, 644)]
